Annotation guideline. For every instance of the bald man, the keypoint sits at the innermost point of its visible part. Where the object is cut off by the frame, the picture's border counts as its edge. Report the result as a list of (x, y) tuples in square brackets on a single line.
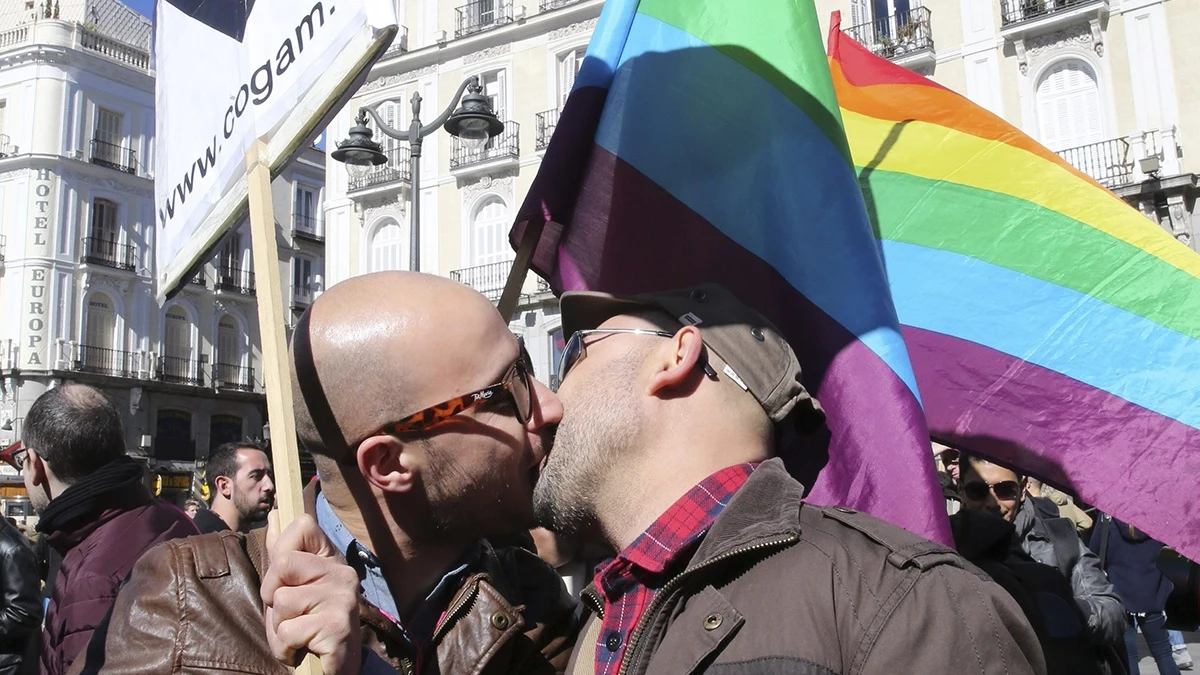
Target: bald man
[(428, 429)]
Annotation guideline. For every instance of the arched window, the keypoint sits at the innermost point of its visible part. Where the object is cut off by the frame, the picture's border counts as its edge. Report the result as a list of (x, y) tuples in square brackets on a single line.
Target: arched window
[(1068, 105), (177, 334), (489, 233), (389, 248), (173, 436), (224, 429)]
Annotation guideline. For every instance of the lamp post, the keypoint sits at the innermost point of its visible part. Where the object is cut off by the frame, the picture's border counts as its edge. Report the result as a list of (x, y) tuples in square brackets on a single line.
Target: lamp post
[(473, 123)]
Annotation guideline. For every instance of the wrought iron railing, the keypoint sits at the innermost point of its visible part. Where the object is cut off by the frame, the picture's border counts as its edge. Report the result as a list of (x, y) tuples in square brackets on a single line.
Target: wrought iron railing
[(548, 5), (896, 35), (480, 15), (235, 280), (504, 146), (546, 122), (104, 361), (1109, 162), (178, 370), (487, 279), (229, 376), (396, 169), (113, 156), (1015, 11), (307, 227), (109, 253)]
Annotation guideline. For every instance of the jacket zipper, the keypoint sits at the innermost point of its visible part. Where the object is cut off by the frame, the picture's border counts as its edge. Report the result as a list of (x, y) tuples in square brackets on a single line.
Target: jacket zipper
[(464, 600), (631, 646)]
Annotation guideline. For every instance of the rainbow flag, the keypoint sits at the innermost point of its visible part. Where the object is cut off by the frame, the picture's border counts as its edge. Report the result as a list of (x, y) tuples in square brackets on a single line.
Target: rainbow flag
[(1052, 327), (703, 142)]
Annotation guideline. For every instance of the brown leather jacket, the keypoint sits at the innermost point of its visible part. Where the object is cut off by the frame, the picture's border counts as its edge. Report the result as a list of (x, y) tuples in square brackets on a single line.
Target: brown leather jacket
[(778, 586), (192, 606)]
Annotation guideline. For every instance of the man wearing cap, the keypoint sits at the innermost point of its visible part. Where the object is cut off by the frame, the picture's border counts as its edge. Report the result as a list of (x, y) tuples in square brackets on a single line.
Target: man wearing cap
[(673, 404)]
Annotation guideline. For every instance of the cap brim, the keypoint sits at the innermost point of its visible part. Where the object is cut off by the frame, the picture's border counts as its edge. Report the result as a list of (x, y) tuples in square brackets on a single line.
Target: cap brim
[(582, 310)]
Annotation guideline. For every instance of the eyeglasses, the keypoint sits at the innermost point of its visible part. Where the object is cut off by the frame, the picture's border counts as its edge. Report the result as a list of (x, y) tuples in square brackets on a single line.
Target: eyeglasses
[(977, 491), (948, 456), (14, 455), (517, 384), (576, 349)]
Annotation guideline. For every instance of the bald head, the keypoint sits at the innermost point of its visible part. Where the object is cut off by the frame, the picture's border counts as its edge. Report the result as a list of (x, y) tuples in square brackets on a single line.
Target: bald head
[(378, 347)]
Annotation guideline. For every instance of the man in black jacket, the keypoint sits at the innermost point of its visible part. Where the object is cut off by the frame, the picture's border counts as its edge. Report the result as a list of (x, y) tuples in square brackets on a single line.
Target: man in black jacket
[(20, 606)]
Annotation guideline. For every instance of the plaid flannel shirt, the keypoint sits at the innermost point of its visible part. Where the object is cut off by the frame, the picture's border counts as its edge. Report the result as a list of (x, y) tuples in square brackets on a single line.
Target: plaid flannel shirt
[(629, 582)]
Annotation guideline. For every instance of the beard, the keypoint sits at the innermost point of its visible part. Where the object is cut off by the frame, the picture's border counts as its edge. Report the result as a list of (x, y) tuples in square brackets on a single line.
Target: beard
[(599, 428), (250, 510), (472, 499)]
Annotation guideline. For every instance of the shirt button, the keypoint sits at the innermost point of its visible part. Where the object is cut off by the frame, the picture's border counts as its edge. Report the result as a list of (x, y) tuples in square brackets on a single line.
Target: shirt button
[(613, 642)]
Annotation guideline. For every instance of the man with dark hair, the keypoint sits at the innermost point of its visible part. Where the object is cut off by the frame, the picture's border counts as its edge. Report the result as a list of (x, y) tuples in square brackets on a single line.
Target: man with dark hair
[(675, 403), (20, 600), (243, 490), (95, 509), (1050, 541), (427, 427)]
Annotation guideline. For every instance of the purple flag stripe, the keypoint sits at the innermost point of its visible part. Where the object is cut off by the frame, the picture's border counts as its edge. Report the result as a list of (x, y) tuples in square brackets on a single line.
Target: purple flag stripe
[(982, 398), (867, 465)]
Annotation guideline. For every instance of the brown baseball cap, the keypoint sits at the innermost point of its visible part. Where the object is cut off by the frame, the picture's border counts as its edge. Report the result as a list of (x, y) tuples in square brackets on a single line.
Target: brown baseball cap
[(758, 359)]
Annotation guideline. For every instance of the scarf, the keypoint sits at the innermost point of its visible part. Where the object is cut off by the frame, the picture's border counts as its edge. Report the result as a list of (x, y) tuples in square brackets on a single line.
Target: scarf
[(115, 485)]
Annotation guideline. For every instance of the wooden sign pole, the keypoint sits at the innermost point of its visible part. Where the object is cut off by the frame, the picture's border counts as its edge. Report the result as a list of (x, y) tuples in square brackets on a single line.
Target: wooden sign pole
[(520, 269), (285, 453)]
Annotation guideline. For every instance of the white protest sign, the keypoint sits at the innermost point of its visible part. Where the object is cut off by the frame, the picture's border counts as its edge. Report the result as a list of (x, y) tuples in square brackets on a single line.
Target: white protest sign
[(231, 72)]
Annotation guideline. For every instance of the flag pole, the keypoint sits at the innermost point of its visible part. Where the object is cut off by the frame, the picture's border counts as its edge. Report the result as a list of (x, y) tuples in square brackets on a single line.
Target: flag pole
[(285, 453), (520, 268)]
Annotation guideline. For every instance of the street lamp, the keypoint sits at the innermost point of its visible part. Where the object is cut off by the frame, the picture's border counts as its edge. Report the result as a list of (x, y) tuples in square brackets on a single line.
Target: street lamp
[(473, 123)]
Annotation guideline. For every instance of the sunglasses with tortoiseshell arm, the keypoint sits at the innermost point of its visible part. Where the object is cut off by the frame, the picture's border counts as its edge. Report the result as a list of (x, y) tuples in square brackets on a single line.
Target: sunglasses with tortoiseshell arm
[(517, 384)]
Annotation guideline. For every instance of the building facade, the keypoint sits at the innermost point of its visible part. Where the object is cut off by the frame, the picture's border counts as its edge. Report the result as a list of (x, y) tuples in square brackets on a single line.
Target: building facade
[(526, 57), (77, 223), (1104, 83)]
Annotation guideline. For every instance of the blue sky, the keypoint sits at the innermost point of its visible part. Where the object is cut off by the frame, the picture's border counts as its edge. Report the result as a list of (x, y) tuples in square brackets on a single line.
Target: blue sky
[(146, 7)]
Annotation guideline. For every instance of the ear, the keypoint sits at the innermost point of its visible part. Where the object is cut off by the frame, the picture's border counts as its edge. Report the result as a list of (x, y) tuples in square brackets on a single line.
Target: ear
[(389, 463), (225, 486), (679, 363), (38, 473)]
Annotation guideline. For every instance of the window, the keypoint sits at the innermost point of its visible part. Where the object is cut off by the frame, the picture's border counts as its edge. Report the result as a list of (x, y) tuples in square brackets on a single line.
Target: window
[(1068, 106), (568, 68), (173, 436), (302, 278), (229, 342), (231, 253), (389, 248), (101, 323), (108, 127), (224, 429), (104, 222), (177, 334), (306, 215), (495, 87), (489, 233)]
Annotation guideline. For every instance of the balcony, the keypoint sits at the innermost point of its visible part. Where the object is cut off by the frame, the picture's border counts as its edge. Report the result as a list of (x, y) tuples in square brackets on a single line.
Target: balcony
[(116, 50), (480, 15), (906, 37), (396, 170), (546, 122), (307, 227), (113, 156), (548, 5), (232, 377), (235, 280), (177, 370), (109, 253), (1109, 162), (1021, 19), (7, 149), (503, 151), (399, 44), (487, 279), (104, 361)]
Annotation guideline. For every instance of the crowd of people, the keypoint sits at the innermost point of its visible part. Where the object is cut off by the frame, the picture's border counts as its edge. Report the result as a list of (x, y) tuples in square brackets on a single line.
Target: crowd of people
[(452, 483)]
